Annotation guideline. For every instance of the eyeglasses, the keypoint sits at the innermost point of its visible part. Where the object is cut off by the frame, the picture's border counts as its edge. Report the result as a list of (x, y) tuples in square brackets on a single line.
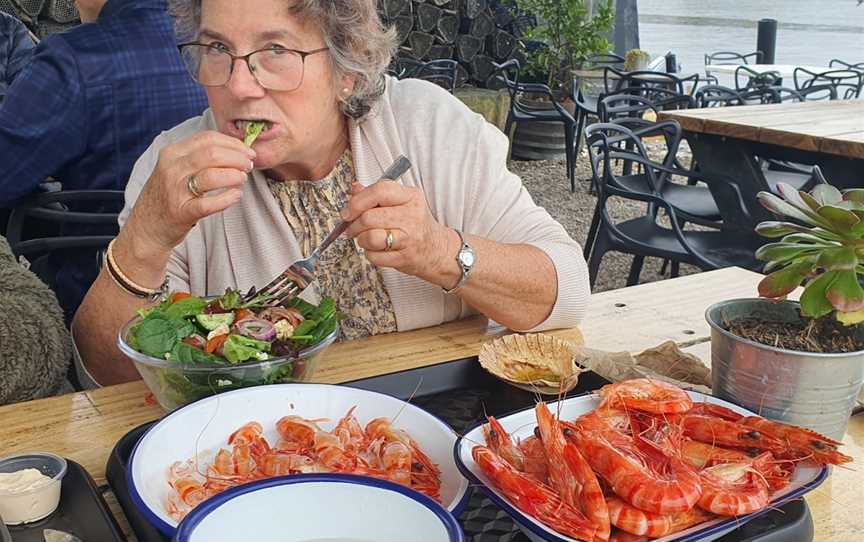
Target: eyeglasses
[(274, 68)]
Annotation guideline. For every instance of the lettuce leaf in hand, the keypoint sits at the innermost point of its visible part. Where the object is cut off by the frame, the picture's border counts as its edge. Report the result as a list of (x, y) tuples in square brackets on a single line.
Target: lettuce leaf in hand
[(253, 130)]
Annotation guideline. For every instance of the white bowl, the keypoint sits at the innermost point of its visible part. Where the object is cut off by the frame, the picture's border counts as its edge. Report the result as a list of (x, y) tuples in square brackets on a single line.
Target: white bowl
[(521, 425), (201, 428), (318, 507)]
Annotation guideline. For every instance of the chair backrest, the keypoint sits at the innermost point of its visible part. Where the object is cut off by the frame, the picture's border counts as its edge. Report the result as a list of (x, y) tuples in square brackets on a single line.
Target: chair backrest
[(616, 106), (81, 222), (759, 95), (661, 98), (507, 74), (717, 96), (747, 78), (614, 80), (842, 65), (720, 58), (404, 67), (442, 72), (846, 83), (603, 60)]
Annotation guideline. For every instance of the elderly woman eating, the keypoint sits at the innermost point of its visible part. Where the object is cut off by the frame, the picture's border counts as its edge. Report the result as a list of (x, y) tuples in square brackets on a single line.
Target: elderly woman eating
[(455, 235)]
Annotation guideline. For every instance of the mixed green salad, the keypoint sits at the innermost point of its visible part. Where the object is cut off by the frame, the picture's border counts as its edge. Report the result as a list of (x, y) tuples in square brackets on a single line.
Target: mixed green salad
[(228, 335)]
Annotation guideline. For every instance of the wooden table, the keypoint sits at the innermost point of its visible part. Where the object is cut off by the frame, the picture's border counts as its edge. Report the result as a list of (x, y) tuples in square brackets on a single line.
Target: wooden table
[(85, 426), (727, 140)]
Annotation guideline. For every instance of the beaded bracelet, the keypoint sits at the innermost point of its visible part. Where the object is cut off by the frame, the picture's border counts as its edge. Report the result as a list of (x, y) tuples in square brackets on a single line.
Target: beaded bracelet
[(127, 284)]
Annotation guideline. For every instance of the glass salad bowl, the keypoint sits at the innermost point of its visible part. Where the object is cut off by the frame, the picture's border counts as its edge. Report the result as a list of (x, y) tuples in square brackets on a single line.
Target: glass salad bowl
[(176, 380)]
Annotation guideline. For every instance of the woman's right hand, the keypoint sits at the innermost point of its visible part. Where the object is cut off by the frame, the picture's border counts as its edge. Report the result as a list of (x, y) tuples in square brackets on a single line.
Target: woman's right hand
[(166, 209)]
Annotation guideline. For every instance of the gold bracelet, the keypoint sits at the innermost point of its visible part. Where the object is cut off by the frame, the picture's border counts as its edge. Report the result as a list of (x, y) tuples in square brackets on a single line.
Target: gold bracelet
[(127, 284)]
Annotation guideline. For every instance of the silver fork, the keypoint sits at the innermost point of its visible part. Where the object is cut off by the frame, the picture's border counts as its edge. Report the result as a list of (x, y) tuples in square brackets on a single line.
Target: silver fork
[(300, 274)]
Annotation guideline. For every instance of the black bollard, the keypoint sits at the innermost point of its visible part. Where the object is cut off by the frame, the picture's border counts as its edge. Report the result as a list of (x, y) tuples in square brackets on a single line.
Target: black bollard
[(671, 63), (766, 40)]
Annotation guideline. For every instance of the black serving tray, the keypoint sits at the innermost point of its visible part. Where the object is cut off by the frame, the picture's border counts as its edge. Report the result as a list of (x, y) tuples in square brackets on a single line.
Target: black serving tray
[(462, 394), (82, 512)]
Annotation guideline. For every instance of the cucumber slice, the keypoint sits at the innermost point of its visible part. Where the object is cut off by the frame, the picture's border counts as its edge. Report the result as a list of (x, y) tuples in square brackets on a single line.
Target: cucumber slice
[(212, 321)]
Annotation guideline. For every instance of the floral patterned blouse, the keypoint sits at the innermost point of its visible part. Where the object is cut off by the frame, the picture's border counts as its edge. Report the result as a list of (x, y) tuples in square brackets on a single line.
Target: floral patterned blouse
[(344, 273)]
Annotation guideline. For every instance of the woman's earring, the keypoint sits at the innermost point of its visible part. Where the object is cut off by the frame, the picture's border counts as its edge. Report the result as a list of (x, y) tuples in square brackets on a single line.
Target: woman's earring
[(346, 93)]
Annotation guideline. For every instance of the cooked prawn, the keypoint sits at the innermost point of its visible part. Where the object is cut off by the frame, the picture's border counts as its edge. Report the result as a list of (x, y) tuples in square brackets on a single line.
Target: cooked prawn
[(571, 475), (630, 519), (532, 498), (647, 395)]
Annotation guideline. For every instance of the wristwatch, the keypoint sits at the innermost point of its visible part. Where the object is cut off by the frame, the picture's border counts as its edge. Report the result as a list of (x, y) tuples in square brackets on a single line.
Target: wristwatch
[(466, 259)]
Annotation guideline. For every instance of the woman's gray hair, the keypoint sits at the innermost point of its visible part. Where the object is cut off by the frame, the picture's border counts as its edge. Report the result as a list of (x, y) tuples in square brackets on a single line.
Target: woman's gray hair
[(360, 46)]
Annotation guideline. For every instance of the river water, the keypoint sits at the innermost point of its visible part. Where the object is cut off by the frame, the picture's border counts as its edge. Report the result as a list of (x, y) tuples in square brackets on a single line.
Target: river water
[(810, 32)]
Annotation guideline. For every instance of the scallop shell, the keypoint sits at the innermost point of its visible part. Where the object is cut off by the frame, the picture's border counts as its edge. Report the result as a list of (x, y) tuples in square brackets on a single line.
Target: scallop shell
[(536, 362)]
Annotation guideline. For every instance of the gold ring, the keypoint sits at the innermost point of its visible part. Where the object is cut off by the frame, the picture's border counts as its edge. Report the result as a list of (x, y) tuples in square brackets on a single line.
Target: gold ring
[(390, 241), (192, 186)]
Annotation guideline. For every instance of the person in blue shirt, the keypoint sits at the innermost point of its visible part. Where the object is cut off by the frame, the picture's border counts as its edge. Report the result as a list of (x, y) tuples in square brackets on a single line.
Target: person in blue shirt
[(87, 105), (16, 46)]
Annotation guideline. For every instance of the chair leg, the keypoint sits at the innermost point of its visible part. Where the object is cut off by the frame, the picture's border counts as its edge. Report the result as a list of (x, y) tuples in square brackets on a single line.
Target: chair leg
[(508, 127), (664, 267), (635, 270), (676, 269), (569, 133), (597, 251), (592, 233)]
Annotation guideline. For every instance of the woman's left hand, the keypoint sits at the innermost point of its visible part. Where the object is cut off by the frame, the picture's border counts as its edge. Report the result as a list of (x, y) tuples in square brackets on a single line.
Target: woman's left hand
[(420, 245)]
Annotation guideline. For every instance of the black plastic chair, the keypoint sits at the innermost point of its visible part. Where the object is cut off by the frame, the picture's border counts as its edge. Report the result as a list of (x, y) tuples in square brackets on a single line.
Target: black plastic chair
[(717, 96), (842, 65), (747, 78), (442, 72), (725, 58), (645, 236), (79, 221), (847, 84), (614, 80), (508, 74), (603, 60), (404, 67)]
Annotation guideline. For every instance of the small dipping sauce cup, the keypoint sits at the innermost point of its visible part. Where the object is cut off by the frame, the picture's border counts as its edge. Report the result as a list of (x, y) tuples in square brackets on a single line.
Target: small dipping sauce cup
[(35, 503)]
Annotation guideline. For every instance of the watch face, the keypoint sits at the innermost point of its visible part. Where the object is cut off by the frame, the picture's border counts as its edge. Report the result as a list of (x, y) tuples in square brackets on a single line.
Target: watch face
[(466, 257)]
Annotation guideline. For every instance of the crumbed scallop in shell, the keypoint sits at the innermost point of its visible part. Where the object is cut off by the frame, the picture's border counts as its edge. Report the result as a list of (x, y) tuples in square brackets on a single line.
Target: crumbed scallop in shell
[(535, 362)]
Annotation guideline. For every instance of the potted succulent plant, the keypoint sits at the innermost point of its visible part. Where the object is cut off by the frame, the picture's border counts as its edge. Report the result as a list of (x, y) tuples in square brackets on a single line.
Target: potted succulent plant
[(799, 362)]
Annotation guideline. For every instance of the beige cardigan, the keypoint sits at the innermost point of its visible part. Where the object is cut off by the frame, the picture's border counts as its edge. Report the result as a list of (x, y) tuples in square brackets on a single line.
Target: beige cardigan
[(458, 159)]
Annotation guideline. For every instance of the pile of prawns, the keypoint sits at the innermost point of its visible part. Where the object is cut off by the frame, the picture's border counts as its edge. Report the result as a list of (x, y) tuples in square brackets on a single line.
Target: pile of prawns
[(647, 461), (379, 450)]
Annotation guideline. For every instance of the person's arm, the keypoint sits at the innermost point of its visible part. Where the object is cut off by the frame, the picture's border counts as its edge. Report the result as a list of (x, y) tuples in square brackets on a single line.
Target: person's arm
[(529, 273), (42, 121), (21, 52), (161, 216), (34, 344)]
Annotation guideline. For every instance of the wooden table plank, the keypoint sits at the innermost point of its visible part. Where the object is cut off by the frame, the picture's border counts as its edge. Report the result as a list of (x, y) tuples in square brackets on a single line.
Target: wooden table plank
[(804, 126)]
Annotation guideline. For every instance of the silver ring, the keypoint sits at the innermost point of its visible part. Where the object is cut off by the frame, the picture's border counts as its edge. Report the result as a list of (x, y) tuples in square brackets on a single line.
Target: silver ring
[(390, 241), (192, 186)]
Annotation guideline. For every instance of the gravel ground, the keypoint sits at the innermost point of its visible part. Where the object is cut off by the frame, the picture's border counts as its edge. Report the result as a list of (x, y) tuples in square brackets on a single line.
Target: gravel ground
[(547, 182)]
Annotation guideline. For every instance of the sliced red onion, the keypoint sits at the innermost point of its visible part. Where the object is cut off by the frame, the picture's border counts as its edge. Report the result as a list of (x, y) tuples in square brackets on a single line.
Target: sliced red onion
[(274, 314), (256, 328)]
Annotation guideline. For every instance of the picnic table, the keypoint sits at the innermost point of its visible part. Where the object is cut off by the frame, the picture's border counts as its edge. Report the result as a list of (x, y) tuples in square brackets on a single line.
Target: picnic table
[(85, 426), (728, 140)]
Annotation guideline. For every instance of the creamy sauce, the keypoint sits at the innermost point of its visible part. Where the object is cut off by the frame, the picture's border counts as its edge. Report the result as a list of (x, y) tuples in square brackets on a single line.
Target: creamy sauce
[(27, 495), (22, 480)]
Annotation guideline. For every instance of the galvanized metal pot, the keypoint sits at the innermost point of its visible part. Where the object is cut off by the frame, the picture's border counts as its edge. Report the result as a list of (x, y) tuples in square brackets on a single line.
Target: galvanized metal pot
[(812, 390)]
